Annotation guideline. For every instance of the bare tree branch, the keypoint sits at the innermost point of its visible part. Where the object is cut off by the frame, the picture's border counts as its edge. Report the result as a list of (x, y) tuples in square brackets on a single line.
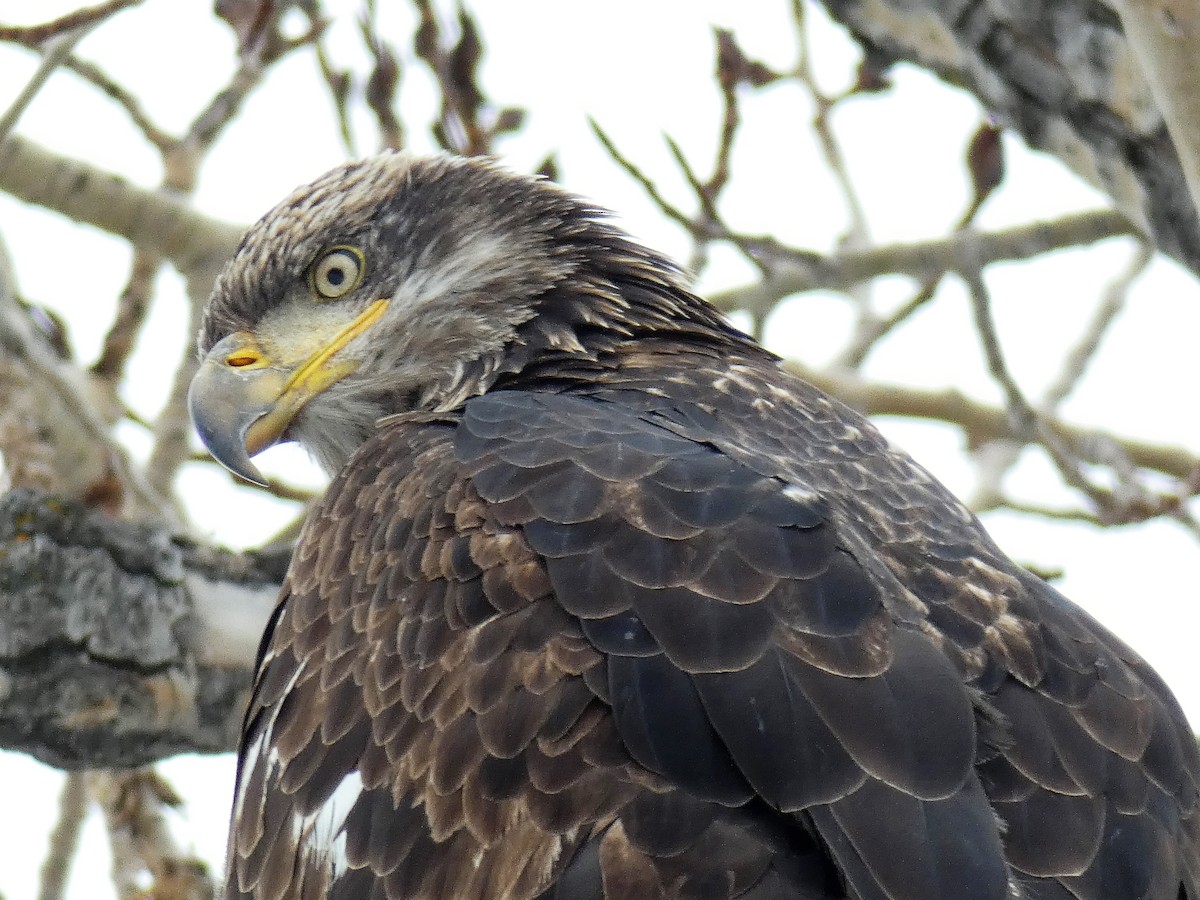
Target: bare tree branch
[(1081, 355), (122, 643), (72, 807), (1129, 500), (135, 804), (1024, 416), (858, 236), (384, 80), (156, 221), (669, 210), (172, 430), (132, 308), (981, 422), (55, 56), (1063, 74), (87, 17), (92, 73), (807, 271), (996, 459)]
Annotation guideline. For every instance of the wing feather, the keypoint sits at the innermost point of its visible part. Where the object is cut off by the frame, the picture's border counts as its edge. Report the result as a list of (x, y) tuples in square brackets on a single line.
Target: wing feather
[(566, 647)]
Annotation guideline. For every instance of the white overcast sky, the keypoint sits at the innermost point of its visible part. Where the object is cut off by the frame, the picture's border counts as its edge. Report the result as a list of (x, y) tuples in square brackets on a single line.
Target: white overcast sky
[(641, 69)]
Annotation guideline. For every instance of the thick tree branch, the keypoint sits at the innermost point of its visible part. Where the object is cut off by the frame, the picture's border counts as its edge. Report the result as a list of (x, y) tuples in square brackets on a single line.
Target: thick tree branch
[(1165, 37), (122, 643), (1063, 74), (154, 221)]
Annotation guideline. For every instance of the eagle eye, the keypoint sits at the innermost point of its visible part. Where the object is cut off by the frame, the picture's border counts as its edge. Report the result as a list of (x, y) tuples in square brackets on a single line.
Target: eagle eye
[(336, 272)]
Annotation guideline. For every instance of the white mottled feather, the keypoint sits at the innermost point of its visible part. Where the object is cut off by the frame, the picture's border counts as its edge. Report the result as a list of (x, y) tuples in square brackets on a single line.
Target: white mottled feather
[(322, 834)]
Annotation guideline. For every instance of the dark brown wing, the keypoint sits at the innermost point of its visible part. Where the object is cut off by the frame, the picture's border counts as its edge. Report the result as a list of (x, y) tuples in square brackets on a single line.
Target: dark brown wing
[(596, 648), (748, 654), (1066, 697), (426, 723), (1088, 759)]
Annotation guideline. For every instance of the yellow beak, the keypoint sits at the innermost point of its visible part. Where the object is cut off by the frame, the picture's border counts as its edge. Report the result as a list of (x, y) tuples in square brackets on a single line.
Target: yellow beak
[(242, 401)]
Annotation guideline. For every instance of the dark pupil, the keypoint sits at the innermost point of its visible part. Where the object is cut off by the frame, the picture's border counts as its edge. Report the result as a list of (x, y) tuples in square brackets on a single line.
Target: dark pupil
[(335, 276)]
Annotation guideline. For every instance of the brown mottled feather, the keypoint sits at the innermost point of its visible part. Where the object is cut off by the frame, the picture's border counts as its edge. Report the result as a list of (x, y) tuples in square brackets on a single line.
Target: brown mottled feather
[(639, 614)]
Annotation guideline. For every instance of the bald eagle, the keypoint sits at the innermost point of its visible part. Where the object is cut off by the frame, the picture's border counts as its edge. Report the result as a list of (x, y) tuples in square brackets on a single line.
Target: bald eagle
[(603, 603)]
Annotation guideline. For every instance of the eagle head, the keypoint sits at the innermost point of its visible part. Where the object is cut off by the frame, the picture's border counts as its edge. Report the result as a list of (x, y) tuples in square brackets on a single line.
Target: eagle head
[(387, 285)]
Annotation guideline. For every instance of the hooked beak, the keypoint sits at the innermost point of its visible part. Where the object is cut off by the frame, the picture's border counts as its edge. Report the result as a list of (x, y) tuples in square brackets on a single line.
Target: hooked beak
[(242, 401)]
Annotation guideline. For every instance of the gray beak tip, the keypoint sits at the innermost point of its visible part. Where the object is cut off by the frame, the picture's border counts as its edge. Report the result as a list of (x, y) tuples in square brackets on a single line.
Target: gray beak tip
[(222, 424)]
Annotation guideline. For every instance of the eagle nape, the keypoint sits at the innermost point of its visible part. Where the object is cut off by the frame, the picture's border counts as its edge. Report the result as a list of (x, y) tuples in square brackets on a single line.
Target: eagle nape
[(602, 602)]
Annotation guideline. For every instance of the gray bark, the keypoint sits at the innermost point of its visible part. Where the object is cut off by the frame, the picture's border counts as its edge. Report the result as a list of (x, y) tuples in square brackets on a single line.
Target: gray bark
[(1063, 75), (109, 655)]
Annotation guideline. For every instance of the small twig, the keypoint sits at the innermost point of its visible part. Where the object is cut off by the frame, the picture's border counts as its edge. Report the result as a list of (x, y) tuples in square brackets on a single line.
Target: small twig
[(72, 808), (33, 35), (275, 488), (1023, 414), (993, 460), (707, 217), (731, 118), (732, 69), (1049, 512), (757, 248), (982, 422), (1027, 422), (207, 126), (1133, 500), (55, 55), (670, 211), (173, 426), (100, 79), (996, 459), (985, 162), (338, 83), (858, 234), (871, 329), (268, 48), (384, 80), (132, 307), (468, 123), (1115, 296), (285, 491)]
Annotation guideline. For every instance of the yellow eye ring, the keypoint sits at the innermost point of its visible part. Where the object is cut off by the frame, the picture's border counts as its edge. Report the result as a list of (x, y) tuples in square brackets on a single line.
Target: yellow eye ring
[(337, 272)]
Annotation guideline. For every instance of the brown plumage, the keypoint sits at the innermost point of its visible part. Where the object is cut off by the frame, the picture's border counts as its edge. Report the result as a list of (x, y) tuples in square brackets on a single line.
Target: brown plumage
[(608, 605)]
